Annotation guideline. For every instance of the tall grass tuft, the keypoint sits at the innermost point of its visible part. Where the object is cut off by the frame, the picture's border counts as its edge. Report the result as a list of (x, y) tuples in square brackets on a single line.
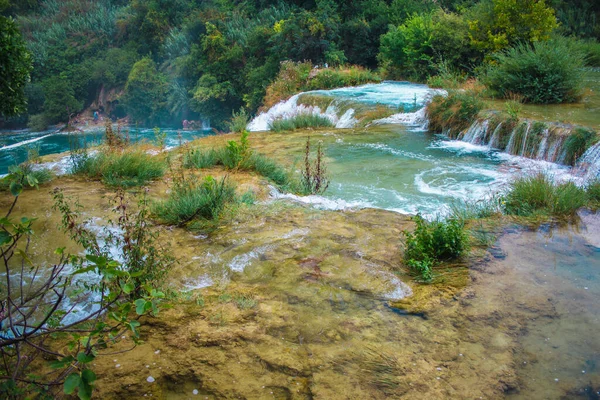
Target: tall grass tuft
[(190, 200), (122, 168), (545, 72), (301, 121), (539, 195)]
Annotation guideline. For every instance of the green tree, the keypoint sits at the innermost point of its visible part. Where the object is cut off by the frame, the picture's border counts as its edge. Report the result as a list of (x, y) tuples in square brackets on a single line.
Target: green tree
[(15, 67), (60, 100), (498, 24), (146, 93)]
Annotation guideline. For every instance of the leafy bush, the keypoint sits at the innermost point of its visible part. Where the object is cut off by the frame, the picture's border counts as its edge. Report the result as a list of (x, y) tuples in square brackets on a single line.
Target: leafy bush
[(577, 143), (127, 168), (190, 200), (433, 242), (545, 72), (538, 194), (146, 93), (453, 113), (300, 121)]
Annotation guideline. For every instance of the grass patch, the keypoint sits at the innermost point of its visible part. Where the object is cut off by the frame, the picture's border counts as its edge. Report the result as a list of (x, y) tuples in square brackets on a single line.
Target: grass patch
[(237, 156), (122, 168), (453, 113), (190, 200), (539, 195), (197, 158), (301, 121), (433, 242), (593, 193)]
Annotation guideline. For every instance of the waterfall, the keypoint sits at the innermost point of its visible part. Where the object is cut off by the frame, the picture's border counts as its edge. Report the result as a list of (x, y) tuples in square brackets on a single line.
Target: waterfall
[(589, 163), (290, 108)]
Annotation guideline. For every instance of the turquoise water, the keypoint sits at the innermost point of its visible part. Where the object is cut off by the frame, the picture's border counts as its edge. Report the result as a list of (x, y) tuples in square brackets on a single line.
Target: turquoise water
[(404, 169), (14, 145)]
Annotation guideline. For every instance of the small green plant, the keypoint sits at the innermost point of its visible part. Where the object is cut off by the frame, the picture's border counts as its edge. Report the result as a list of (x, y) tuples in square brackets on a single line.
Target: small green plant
[(236, 154), (115, 140), (314, 174), (191, 200), (513, 108), (238, 121), (160, 137), (433, 242)]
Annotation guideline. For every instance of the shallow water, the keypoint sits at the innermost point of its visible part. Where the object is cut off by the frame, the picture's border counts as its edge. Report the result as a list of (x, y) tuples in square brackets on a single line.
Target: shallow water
[(14, 145), (406, 170)]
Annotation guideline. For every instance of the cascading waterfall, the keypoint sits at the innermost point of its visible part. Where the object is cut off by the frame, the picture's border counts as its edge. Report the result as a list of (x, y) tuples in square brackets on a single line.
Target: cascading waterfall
[(523, 138), (589, 163)]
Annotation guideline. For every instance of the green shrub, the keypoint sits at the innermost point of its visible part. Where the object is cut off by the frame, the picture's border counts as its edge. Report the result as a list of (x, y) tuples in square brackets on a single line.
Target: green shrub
[(539, 195), (434, 242), (453, 113), (545, 72), (300, 121), (124, 169), (577, 143), (190, 200)]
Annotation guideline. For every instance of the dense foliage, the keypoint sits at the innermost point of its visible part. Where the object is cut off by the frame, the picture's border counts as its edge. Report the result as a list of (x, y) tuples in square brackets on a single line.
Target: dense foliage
[(15, 65), (545, 72), (162, 61)]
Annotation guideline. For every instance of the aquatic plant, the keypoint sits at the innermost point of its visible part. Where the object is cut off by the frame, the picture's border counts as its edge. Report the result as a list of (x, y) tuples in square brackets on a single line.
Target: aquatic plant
[(131, 167), (539, 194), (300, 121), (433, 242), (453, 113), (189, 200), (314, 174), (544, 72)]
